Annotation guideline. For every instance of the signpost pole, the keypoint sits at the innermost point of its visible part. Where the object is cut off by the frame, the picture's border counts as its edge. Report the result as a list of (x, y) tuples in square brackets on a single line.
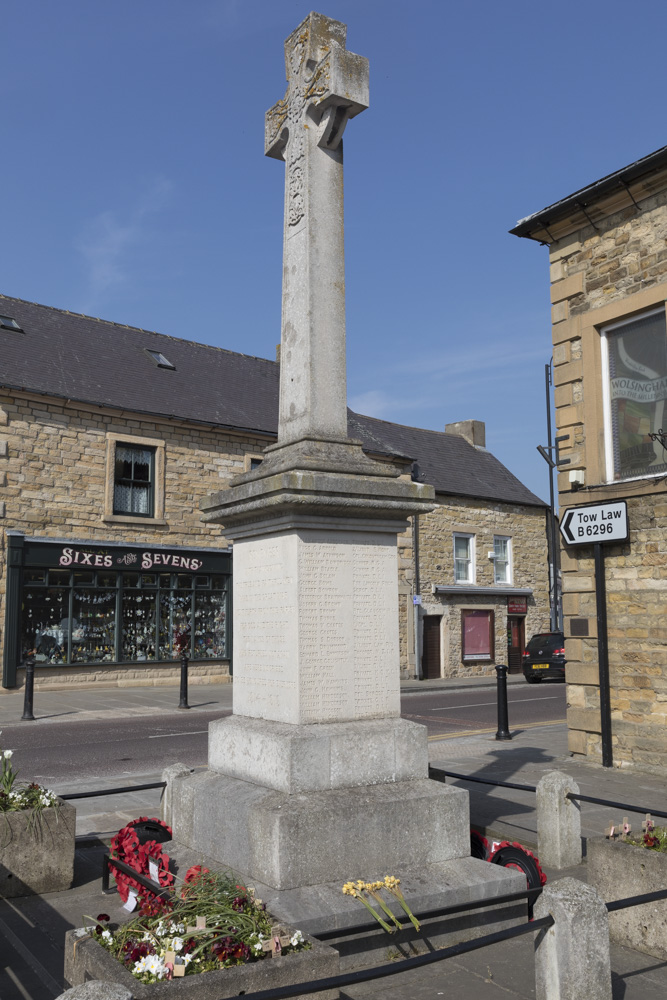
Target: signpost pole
[(603, 655)]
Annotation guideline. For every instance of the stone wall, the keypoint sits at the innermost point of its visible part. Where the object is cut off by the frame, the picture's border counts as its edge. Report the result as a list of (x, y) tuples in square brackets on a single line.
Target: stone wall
[(601, 276), (53, 473), (527, 528)]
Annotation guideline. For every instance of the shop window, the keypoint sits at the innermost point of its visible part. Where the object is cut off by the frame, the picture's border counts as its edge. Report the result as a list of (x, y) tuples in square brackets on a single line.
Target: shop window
[(135, 478), (464, 558), (123, 617), (477, 628), (502, 559), (634, 356)]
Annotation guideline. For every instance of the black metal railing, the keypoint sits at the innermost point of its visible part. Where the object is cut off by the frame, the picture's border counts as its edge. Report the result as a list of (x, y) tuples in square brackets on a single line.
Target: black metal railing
[(111, 791), (438, 774), (346, 979), (443, 911)]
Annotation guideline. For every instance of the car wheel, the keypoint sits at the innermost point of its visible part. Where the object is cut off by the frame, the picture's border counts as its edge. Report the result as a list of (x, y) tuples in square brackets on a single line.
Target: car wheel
[(532, 679)]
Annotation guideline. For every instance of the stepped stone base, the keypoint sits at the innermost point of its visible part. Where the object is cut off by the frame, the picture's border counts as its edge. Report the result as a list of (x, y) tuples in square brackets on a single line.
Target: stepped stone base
[(288, 841), (318, 908), (318, 757)]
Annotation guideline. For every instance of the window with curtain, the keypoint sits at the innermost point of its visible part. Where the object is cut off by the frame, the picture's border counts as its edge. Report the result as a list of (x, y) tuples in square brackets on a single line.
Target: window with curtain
[(134, 475)]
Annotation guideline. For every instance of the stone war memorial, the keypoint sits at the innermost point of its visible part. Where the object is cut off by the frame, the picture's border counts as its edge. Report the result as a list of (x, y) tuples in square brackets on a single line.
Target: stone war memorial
[(315, 779)]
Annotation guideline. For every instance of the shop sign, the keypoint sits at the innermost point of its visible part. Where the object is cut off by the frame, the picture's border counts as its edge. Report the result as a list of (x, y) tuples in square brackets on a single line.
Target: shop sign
[(118, 558), (517, 605)]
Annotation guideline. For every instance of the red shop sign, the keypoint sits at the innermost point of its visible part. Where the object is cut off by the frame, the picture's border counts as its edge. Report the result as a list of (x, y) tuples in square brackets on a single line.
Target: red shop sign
[(517, 605)]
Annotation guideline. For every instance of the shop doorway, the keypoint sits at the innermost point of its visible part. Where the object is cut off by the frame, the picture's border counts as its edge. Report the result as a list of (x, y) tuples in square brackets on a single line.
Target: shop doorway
[(431, 649), (516, 642)]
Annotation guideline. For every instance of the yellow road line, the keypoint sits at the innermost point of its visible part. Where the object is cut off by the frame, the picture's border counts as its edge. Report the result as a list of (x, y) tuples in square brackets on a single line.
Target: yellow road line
[(482, 732)]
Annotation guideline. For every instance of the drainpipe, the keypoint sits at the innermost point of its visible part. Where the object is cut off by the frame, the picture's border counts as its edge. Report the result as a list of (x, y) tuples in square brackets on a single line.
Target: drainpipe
[(417, 594)]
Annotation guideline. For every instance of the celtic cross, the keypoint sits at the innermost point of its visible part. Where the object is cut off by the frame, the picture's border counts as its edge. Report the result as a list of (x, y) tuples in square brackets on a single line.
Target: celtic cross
[(326, 85)]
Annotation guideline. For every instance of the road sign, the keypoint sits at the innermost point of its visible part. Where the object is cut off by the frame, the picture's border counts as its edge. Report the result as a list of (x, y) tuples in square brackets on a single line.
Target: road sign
[(595, 522)]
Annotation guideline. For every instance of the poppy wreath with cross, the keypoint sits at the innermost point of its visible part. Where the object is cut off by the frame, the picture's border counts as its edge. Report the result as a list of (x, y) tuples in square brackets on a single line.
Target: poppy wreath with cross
[(126, 847)]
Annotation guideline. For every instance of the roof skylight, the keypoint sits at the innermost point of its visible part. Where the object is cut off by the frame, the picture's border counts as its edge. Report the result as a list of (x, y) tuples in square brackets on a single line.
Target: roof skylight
[(160, 360), (7, 323)]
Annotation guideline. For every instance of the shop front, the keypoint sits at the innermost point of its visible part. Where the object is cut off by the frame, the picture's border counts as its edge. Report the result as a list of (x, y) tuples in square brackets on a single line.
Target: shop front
[(80, 605)]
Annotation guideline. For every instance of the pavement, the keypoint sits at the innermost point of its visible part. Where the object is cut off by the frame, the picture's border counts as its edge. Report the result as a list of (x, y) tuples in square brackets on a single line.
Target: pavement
[(32, 928)]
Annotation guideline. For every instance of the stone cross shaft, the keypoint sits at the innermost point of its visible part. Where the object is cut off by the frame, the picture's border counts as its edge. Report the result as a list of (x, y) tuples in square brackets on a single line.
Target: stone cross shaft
[(327, 85)]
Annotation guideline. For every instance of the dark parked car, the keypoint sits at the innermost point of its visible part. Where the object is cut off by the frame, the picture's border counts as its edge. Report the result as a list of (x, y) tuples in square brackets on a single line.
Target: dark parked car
[(544, 657)]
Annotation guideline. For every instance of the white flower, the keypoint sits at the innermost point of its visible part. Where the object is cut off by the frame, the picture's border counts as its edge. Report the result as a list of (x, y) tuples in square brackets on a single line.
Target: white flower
[(8, 753), (152, 964), (296, 939), (177, 944), (107, 936), (160, 929), (187, 959)]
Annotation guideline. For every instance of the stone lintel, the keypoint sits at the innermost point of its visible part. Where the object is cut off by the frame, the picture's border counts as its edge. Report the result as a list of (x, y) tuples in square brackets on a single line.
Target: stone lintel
[(303, 758), (288, 841)]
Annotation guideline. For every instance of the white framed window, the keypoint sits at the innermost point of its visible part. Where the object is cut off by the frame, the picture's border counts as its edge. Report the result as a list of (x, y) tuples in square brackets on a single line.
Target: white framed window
[(502, 559), (464, 558), (634, 392)]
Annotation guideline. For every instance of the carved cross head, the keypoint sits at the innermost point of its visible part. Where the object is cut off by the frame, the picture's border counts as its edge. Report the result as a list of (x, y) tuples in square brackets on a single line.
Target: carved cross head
[(326, 85)]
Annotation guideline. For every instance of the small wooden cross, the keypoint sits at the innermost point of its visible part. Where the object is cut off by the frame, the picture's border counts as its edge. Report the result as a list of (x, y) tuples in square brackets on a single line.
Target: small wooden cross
[(610, 832), (626, 828), (647, 824)]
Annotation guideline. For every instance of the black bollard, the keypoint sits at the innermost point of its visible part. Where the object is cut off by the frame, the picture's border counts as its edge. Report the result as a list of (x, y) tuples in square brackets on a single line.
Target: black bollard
[(29, 688), (183, 703), (503, 722)]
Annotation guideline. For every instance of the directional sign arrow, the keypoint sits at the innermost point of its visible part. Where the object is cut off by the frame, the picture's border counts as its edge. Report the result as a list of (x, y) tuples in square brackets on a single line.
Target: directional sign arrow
[(595, 523), (565, 526)]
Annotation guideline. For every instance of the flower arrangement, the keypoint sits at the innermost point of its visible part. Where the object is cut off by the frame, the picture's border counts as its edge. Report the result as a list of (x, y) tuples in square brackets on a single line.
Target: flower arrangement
[(14, 798), (212, 923), (654, 838), (373, 889)]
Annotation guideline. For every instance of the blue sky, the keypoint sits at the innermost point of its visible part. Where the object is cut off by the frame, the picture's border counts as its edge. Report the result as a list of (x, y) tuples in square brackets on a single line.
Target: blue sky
[(134, 185)]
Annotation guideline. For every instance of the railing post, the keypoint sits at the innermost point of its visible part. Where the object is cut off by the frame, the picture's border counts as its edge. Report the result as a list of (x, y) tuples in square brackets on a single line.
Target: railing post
[(29, 687), (572, 956), (183, 703), (503, 722), (170, 775), (558, 821)]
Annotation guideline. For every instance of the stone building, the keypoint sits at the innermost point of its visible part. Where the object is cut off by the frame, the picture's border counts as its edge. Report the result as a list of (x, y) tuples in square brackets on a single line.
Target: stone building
[(608, 257), (110, 436)]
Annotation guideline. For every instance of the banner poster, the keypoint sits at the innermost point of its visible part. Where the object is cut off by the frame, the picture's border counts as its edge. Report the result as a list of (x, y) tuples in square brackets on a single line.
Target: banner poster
[(638, 393)]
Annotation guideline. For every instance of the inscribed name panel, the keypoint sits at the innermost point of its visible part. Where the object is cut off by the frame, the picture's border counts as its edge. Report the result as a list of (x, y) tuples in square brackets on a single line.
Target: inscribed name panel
[(265, 662), (348, 627)]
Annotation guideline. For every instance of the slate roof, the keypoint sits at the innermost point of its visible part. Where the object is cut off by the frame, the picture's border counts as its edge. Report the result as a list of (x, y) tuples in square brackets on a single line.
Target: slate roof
[(447, 461), (67, 355)]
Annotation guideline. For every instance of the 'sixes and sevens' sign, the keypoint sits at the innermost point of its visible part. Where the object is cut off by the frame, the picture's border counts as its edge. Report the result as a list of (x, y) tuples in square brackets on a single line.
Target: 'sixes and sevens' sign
[(596, 522)]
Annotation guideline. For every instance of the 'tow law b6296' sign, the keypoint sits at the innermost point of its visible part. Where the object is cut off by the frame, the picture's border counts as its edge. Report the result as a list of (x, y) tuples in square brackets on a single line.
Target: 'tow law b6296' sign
[(595, 522)]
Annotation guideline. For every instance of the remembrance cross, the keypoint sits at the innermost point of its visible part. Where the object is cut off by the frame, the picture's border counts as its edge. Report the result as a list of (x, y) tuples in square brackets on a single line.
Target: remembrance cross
[(327, 85)]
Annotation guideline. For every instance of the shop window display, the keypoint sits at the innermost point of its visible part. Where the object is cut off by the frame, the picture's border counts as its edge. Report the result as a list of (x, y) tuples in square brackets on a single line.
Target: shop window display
[(94, 616)]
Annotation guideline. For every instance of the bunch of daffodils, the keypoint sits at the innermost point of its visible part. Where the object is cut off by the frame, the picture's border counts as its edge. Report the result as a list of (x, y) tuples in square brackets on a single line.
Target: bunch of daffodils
[(373, 889)]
